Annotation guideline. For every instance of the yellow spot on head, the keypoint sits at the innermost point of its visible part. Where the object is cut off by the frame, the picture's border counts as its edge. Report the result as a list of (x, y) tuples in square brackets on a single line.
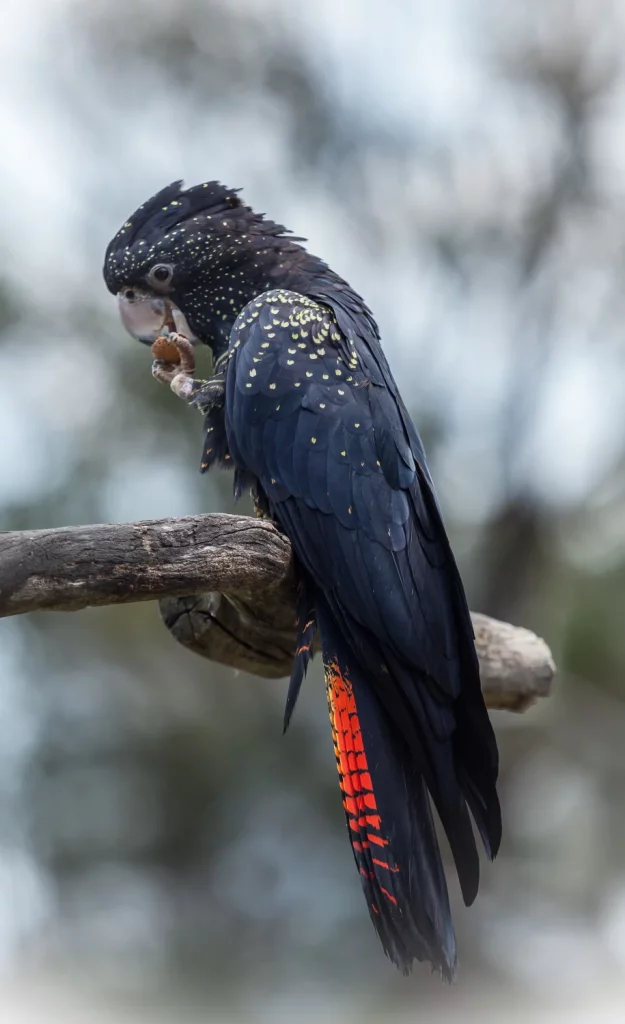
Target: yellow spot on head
[(272, 387)]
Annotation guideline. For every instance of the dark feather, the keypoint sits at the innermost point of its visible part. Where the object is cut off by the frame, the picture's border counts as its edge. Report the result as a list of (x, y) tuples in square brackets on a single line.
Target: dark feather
[(305, 623), (315, 424), (348, 483)]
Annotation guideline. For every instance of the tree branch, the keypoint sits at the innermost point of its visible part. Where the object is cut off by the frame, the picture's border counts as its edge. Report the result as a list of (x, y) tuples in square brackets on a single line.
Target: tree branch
[(238, 571)]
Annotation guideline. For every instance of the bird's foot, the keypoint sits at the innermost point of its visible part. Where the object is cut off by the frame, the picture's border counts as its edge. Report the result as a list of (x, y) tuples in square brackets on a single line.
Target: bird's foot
[(174, 364), (209, 395)]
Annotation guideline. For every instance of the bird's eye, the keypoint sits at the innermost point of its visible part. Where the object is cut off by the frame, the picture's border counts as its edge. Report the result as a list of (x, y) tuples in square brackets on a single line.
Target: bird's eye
[(161, 274), (129, 294)]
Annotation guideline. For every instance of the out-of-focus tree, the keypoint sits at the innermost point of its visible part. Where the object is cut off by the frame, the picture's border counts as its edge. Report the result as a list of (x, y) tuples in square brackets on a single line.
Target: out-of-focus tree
[(470, 187)]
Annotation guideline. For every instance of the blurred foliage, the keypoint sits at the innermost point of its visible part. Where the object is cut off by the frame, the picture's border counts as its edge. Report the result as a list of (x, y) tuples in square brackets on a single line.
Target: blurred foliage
[(150, 810)]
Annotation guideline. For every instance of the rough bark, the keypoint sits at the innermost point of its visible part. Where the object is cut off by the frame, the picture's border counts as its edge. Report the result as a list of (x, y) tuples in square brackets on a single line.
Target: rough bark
[(81, 566), (238, 571)]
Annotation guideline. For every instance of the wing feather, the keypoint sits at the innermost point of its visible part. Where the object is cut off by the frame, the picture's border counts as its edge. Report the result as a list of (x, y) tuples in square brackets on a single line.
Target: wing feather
[(332, 445)]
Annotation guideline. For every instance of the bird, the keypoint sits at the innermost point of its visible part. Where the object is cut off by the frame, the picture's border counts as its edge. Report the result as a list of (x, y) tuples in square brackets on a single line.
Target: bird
[(310, 419)]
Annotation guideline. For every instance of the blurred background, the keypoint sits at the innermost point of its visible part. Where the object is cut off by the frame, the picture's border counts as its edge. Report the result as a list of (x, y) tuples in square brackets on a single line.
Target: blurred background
[(165, 854)]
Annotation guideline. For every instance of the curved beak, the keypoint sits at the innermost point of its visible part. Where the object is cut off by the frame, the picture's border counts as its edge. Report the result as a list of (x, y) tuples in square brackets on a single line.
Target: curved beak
[(146, 317)]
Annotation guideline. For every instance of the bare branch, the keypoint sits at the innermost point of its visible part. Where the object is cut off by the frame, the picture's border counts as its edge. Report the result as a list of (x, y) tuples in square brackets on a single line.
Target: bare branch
[(239, 573), (81, 566)]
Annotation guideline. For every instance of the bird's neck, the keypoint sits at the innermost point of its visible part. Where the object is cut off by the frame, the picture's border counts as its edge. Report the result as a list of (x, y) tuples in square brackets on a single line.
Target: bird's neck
[(212, 306)]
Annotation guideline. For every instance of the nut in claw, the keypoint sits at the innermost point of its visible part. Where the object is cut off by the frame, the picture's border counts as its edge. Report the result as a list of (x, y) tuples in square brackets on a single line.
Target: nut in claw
[(165, 350)]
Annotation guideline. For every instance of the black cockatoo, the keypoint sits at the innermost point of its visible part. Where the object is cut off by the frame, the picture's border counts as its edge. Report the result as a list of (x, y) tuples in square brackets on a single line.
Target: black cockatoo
[(311, 418)]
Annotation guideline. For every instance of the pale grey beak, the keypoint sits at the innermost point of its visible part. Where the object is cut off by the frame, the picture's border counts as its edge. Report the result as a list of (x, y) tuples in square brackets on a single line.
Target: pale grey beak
[(146, 316)]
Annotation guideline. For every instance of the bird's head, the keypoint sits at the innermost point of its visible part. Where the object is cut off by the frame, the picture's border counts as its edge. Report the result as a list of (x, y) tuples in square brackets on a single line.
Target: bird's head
[(191, 259)]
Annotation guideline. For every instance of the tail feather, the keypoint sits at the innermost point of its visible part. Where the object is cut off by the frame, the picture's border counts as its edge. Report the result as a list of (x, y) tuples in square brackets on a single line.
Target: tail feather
[(430, 729), (400, 744), (438, 743), (389, 818)]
